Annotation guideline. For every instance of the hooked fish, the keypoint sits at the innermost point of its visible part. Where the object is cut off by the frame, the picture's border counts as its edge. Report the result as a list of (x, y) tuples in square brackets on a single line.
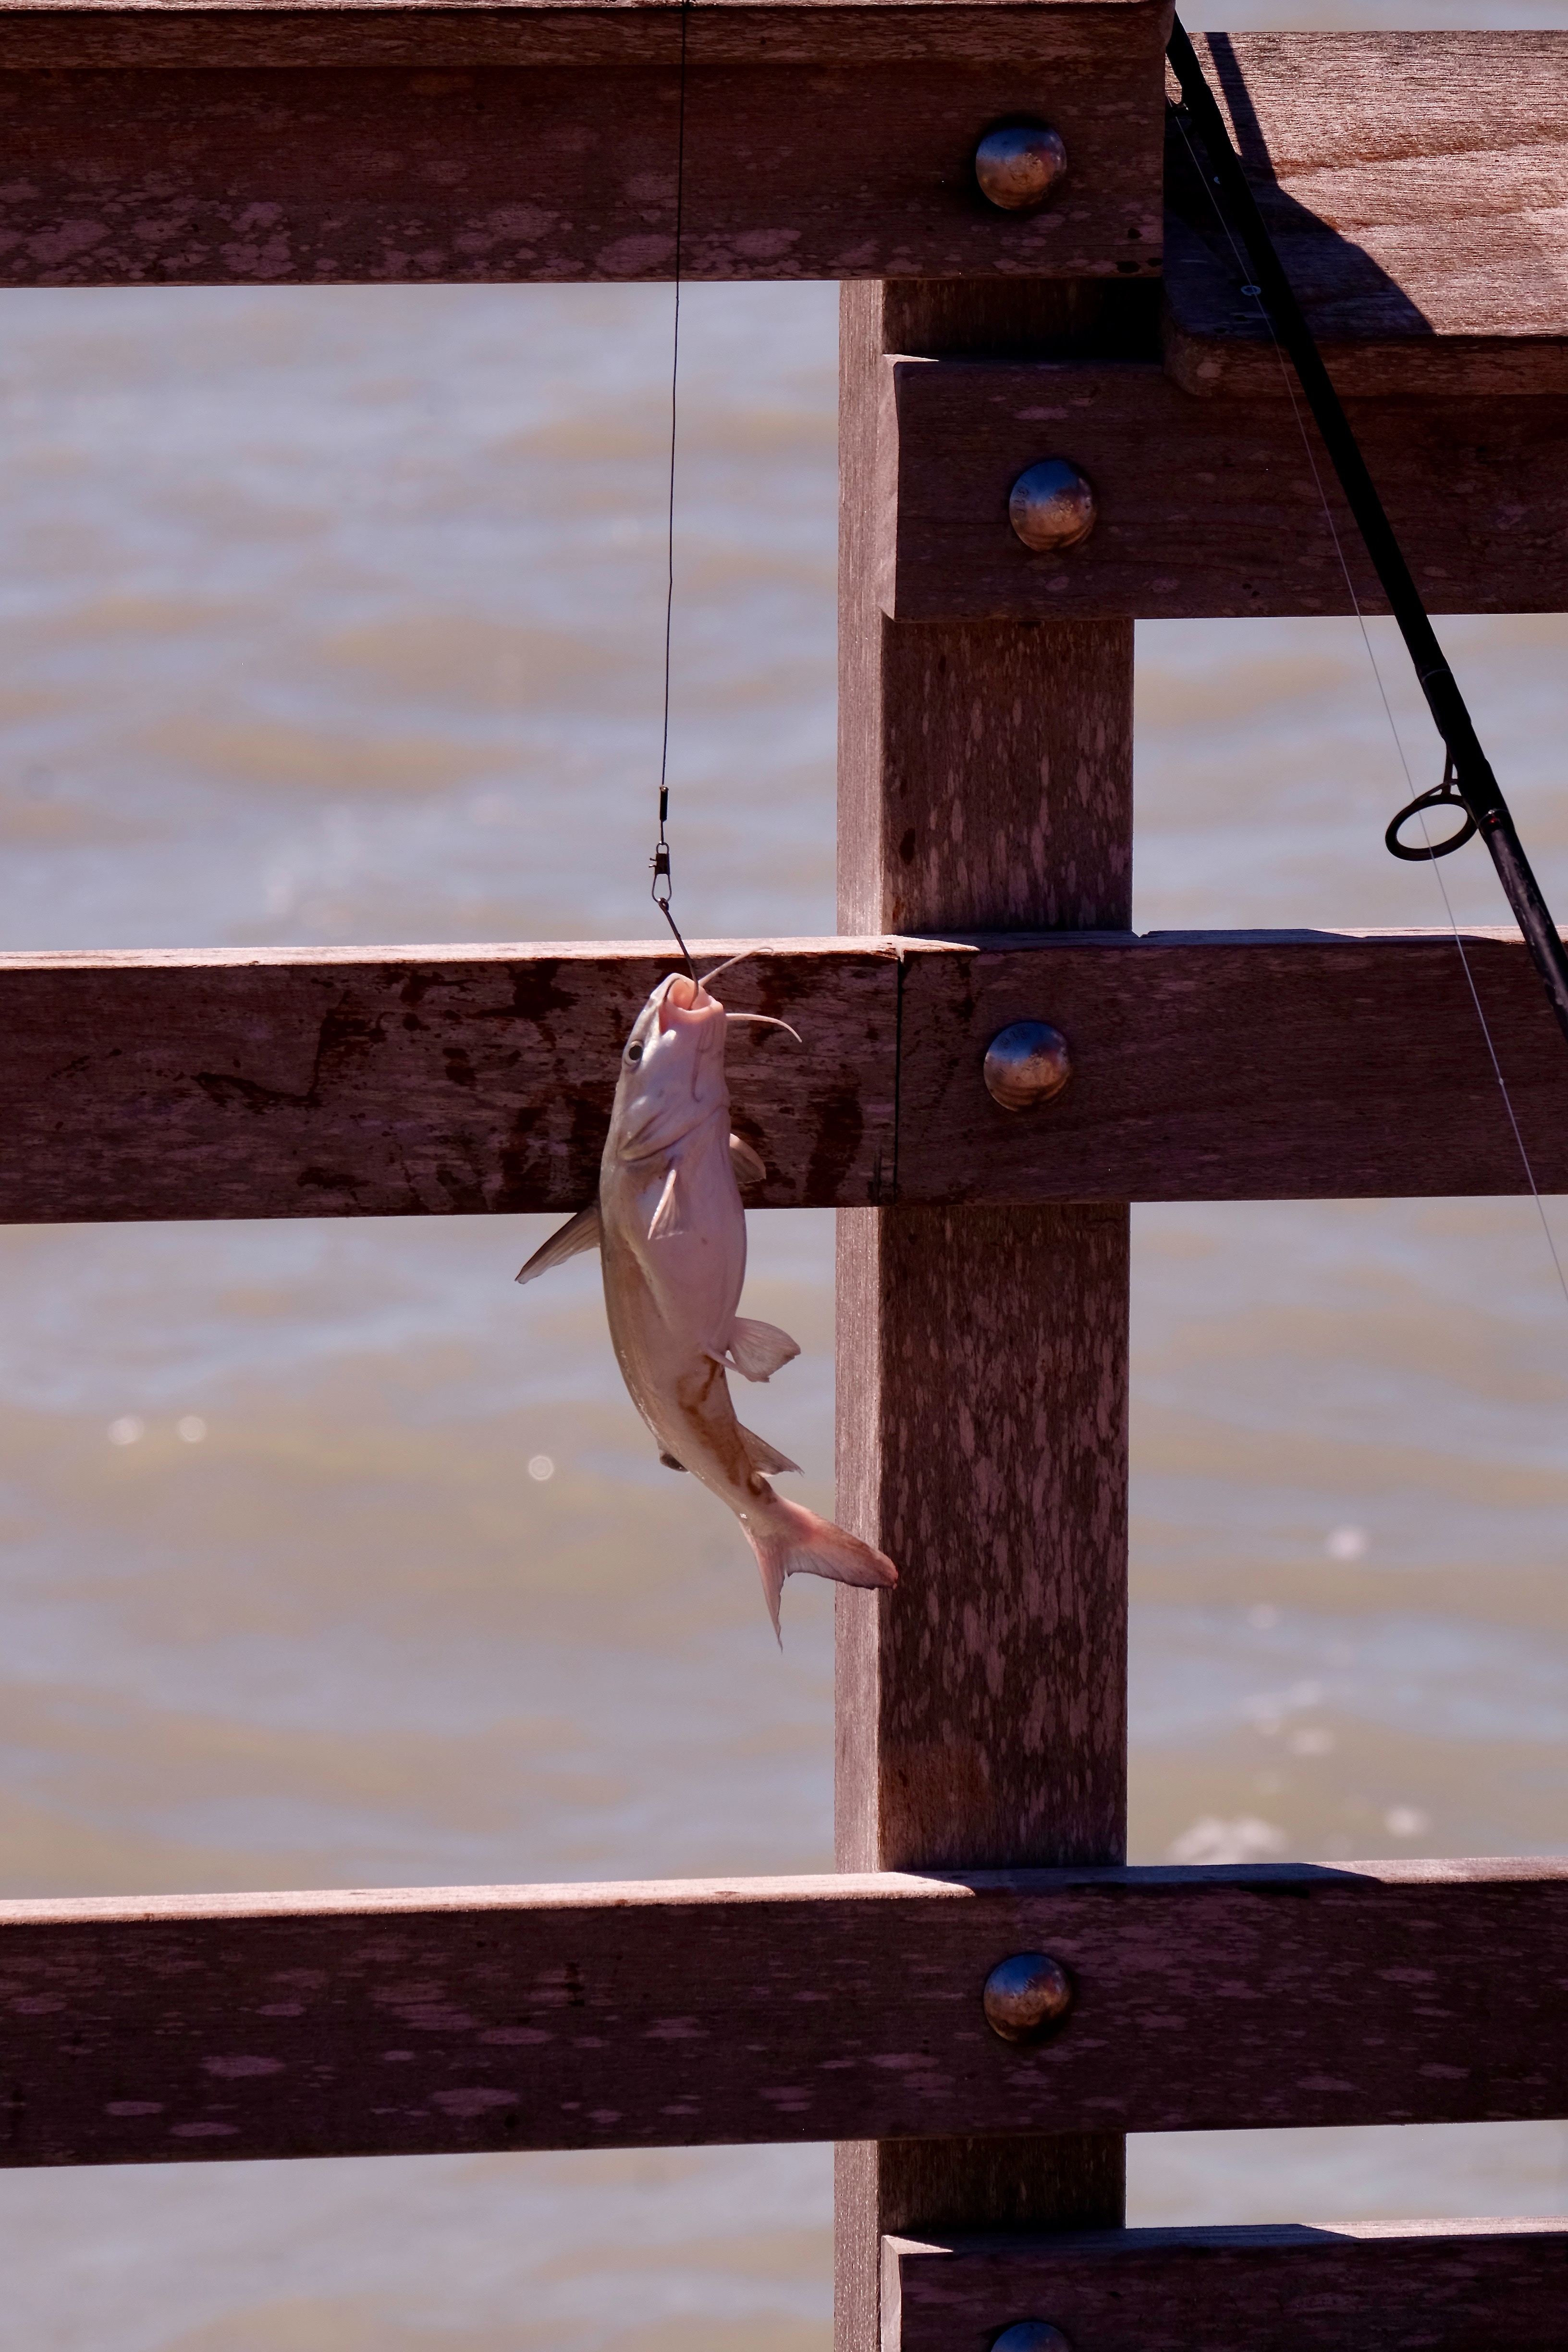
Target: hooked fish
[(670, 1229)]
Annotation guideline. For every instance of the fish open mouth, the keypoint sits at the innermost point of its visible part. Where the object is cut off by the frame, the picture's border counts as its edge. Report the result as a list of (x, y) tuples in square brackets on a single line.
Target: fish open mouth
[(684, 1003)]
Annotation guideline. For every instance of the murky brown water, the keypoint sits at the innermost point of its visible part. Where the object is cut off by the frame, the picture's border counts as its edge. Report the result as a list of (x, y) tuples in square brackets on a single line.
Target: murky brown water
[(334, 616)]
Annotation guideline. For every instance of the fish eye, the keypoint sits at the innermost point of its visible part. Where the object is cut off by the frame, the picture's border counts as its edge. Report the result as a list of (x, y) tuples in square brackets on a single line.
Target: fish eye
[(634, 1053)]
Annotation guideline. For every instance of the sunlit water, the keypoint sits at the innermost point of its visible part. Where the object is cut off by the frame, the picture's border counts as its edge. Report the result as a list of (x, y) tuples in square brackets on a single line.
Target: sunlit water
[(336, 616)]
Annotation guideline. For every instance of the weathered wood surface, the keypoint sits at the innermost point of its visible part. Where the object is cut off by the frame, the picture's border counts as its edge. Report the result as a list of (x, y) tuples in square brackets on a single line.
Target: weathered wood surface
[(300, 144), (1206, 507), (679, 2013), (1416, 185), (1109, 38), (399, 1082), (985, 777), (1247, 1065), (402, 1081), (1370, 2286)]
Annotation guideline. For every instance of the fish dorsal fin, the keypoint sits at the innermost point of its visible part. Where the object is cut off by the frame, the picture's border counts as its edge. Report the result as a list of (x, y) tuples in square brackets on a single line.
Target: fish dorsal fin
[(748, 1166), (757, 1350), (762, 1456), (579, 1234), (666, 1220)]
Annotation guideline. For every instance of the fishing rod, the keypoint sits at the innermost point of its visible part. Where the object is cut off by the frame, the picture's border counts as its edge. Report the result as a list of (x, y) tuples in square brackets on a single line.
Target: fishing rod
[(1469, 788)]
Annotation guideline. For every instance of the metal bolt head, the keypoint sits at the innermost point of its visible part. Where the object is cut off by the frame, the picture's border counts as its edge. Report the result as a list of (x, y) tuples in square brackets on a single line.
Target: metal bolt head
[(1018, 167), (1031, 2335), (1026, 1064), (1052, 507), (1026, 1998)]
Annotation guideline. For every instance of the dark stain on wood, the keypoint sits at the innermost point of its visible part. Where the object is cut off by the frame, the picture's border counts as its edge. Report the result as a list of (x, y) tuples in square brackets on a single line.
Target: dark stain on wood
[(244, 1086)]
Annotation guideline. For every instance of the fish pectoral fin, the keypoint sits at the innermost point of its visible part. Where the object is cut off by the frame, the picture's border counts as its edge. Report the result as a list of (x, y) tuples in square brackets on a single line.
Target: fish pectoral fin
[(748, 1166), (762, 1456), (666, 1221), (670, 1462), (579, 1234), (757, 1350)]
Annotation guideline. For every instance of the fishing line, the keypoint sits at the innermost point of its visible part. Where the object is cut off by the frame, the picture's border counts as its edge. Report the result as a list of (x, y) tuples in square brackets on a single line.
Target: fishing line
[(1419, 802), (661, 858)]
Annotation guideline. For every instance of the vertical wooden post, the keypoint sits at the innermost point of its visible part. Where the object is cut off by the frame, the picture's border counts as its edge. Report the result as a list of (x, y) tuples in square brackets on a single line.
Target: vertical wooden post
[(985, 782)]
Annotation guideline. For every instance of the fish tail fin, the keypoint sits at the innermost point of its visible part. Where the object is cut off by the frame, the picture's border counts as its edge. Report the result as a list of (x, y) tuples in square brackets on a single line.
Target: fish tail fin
[(793, 1542)]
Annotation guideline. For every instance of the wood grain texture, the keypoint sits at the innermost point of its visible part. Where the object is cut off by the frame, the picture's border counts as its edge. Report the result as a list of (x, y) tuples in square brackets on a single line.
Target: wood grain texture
[(985, 776), (1261, 1066), (408, 1082), (981, 1442), (1105, 36), (1205, 507), (673, 2013), (321, 145), (1416, 186), (1389, 2286), (929, 723), (391, 1082)]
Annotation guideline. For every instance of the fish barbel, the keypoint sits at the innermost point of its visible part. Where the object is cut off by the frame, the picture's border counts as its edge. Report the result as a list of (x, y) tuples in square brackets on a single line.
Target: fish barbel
[(670, 1229)]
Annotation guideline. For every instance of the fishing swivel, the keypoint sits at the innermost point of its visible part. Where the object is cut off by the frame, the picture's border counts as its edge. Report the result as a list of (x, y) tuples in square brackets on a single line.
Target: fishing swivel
[(663, 882), (1446, 795)]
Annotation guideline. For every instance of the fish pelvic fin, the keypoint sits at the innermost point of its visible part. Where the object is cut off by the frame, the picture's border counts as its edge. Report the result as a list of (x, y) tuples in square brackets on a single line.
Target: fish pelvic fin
[(579, 1234), (796, 1542), (666, 1221), (748, 1166), (757, 1350), (764, 1457)]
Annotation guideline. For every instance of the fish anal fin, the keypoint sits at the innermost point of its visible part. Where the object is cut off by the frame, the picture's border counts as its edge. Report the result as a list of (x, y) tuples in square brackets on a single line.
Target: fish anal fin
[(579, 1234), (665, 1223), (669, 1461), (764, 1457), (750, 1167), (757, 1350)]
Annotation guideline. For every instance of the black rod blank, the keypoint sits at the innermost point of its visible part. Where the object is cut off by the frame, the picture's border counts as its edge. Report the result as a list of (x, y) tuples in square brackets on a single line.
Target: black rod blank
[(1474, 783)]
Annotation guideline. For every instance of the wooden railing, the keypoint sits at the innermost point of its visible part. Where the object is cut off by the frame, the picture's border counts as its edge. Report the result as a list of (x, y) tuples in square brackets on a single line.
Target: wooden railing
[(415, 1082), (986, 845), (669, 2014)]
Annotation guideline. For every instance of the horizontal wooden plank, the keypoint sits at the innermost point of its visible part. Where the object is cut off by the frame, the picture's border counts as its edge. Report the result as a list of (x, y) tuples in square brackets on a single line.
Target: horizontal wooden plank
[(839, 2008), (824, 139), (1416, 185), (1446, 2286), (193, 33), (391, 1082), (408, 1082), (1205, 507), (1242, 1066)]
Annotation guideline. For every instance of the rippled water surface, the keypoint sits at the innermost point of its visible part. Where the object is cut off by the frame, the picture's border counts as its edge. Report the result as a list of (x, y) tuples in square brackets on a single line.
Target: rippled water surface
[(336, 616)]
